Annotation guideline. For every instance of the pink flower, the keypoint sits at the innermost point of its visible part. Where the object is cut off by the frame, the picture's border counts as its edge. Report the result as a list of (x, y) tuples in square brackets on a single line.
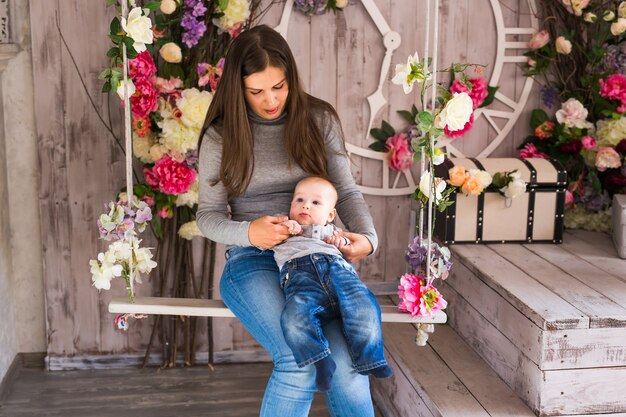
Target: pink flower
[(607, 158), (170, 177), (569, 199), (589, 142), (399, 156), (165, 86), (539, 40), (530, 151), (144, 101), (142, 66), (458, 133), (209, 74), (417, 298), (479, 90), (614, 87), (166, 212), (573, 114), (148, 200), (235, 30)]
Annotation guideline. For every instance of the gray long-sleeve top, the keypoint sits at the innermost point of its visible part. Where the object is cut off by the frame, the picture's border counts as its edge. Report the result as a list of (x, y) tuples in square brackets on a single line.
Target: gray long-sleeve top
[(273, 182)]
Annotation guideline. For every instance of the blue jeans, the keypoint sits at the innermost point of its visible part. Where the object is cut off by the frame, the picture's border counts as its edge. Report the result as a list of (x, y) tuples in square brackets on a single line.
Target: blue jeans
[(250, 287), (319, 288)]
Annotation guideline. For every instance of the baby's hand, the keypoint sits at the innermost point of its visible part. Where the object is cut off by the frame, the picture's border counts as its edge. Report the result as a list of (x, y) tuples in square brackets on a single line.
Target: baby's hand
[(294, 227), (337, 240)]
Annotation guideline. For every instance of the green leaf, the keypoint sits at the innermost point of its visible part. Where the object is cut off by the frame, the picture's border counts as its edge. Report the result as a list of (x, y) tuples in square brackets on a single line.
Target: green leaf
[(499, 180), (105, 74), (116, 39), (113, 52), (388, 129), (425, 119), (156, 226), (407, 115), (222, 4), (537, 117), (377, 146), (173, 70), (378, 134), (491, 94), (106, 87), (111, 2), (115, 27), (152, 5)]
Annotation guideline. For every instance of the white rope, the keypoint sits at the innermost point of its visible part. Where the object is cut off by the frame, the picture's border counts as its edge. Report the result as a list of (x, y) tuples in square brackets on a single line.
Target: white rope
[(433, 192), (423, 156), (128, 143)]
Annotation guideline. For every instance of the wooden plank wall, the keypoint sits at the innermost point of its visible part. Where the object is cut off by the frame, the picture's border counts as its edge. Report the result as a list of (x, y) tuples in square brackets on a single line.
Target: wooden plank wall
[(82, 167)]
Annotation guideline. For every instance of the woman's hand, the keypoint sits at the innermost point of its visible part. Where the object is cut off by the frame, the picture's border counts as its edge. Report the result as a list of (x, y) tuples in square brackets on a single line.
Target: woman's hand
[(358, 248), (267, 231)]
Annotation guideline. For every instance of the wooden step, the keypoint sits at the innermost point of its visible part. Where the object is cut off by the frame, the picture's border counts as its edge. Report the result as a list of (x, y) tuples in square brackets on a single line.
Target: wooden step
[(445, 378)]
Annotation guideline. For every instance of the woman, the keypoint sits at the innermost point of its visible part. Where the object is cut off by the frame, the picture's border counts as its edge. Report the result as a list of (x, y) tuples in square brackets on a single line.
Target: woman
[(264, 134)]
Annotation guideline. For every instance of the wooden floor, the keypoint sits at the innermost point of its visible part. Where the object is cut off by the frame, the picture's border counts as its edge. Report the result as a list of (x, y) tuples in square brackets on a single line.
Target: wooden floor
[(229, 391)]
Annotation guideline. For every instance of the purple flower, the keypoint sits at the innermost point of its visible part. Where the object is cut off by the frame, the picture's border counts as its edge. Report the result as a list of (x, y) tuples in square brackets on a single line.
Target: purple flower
[(194, 30), (310, 7), (416, 256), (188, 21), (199, 10), (549, 96)]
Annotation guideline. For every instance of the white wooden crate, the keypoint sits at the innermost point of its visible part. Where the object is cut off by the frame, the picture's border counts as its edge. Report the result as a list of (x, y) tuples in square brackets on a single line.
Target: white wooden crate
[(619, 224)]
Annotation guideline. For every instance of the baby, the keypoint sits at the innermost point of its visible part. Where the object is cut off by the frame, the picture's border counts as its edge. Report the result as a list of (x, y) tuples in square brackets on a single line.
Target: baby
[(320, 285)]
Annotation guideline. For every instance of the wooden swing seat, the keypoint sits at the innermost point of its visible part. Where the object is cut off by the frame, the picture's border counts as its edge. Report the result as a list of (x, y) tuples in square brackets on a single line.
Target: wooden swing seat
[(216, 308)]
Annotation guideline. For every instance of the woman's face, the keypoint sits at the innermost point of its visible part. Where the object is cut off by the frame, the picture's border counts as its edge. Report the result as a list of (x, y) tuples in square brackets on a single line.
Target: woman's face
[(266, 92)]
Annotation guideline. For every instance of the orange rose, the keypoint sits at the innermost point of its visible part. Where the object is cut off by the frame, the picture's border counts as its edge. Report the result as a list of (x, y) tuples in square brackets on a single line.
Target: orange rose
[(473, 186), (458, 176)]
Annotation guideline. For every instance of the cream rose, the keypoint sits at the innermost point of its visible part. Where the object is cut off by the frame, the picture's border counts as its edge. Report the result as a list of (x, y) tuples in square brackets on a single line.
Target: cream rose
[(621, 9), (563, 46), (340, 4), (168, 6), (141, 148), (457, 112), (170, 52), (157, 152), (608, 16), (194, 105), (618, 27), (190, 198), (590, 17), (237, 11), (472, 186), (139, 28)]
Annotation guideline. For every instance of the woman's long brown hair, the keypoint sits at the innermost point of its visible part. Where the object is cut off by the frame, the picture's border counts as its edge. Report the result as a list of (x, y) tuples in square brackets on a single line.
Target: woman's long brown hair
[(253, 51)]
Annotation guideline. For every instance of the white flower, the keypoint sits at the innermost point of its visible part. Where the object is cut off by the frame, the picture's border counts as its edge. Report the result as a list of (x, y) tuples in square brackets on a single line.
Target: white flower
[(608, 16), (427, 327), (103, 271), (168, 6), (190, 198), (130, 88), (514, 188), (194, 105), (237, 11), (143, 260), (139, 28), (439, 156), (141, 148), (176, 137), (457, 112), (621, 9), (406, 75), (590, 17), (189, 230), (120, 250), (610, 132), (618, 27), (563, 46), (573, 114), (171, 52), (425, 183)]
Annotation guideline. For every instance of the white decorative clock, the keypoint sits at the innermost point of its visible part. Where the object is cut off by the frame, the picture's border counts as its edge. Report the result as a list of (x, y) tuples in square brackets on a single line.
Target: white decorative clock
[(508, 52)]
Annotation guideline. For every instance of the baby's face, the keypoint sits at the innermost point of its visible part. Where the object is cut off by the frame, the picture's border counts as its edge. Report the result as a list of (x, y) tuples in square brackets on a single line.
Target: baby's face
[(313, 203)]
